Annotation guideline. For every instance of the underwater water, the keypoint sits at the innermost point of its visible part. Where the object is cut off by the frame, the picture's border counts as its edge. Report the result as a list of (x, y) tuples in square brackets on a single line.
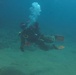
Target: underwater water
[(56, 17)]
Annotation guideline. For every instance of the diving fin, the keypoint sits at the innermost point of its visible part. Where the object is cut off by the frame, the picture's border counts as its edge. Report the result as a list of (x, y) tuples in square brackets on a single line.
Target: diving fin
[(59, 38)]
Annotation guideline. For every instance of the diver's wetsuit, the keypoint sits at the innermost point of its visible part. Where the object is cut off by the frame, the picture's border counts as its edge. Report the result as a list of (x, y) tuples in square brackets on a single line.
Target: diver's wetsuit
[(33, 35)]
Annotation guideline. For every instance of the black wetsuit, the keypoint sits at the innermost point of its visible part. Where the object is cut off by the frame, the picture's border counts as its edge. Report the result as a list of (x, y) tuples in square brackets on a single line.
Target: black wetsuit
[(33, 35)]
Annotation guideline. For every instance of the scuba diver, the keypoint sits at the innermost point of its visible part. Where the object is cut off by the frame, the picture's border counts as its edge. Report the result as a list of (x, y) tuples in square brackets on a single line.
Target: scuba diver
[(32, 34)]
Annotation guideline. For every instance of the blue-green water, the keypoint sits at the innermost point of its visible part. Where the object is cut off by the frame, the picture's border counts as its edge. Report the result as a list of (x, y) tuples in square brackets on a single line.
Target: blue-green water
[(56, 17)]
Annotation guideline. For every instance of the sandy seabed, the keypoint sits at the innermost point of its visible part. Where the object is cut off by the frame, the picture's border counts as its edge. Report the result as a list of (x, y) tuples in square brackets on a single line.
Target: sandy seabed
[(37, 62)]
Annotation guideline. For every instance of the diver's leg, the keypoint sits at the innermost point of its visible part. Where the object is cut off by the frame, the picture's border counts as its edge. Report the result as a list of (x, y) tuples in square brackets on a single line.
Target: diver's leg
[(57, 47), (22, 44), (53, 46), (42, 45)]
